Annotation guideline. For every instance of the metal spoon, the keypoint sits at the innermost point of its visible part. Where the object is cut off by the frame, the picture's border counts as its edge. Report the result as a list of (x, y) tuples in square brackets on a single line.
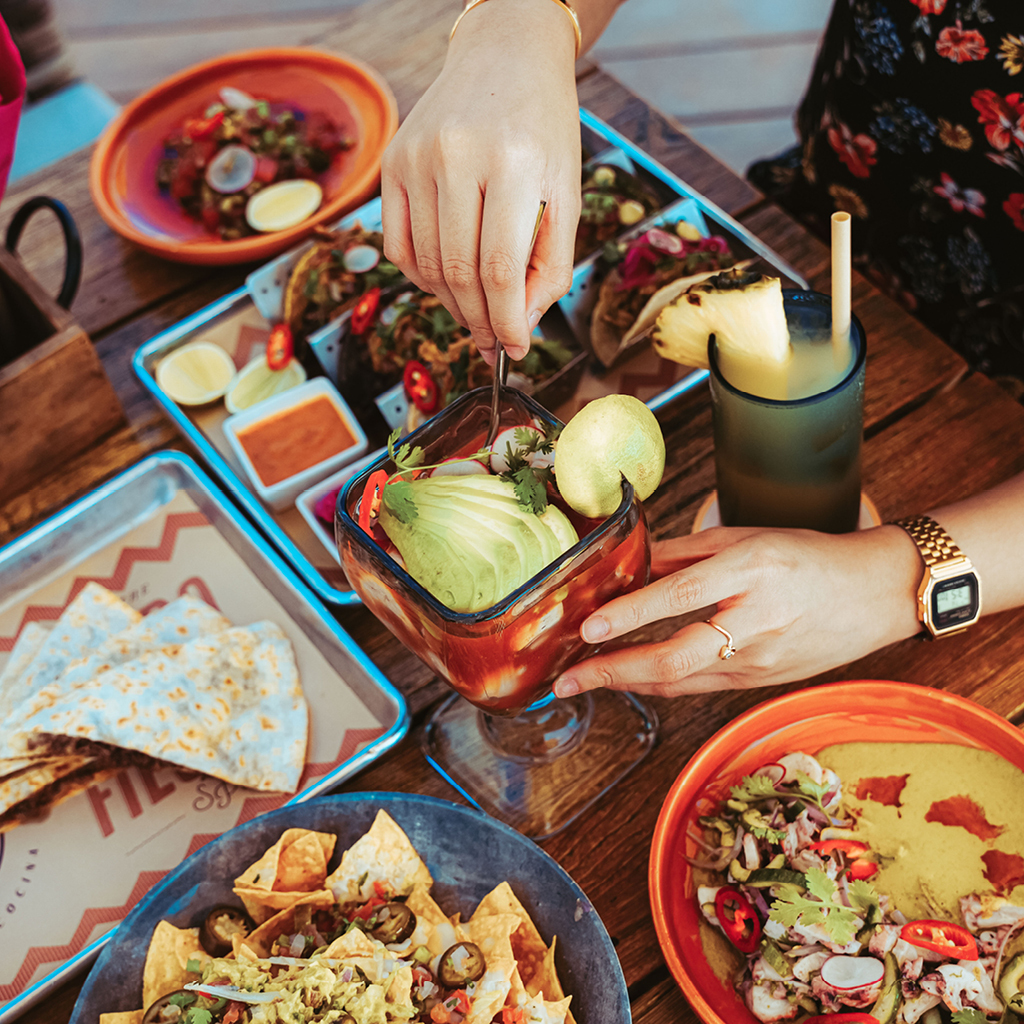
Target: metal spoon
[(501, 362)]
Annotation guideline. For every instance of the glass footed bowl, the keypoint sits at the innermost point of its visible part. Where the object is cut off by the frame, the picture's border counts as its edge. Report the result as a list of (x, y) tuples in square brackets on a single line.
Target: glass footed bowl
[(506, 657)]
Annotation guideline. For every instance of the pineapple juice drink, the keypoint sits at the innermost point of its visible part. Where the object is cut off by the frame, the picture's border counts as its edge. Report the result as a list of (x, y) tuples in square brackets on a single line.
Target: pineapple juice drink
[(788, 435)]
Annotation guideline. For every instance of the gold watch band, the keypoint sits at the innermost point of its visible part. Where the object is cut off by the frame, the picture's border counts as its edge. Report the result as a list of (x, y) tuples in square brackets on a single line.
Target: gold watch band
[(936, 546), (564, 4)]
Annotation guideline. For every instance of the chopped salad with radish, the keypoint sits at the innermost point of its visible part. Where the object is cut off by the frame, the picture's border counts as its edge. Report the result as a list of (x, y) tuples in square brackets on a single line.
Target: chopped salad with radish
[(794, 896), (219, 159)]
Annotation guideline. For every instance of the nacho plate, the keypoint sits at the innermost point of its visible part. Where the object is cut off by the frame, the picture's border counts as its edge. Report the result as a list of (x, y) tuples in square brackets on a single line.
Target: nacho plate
[(467, 854)]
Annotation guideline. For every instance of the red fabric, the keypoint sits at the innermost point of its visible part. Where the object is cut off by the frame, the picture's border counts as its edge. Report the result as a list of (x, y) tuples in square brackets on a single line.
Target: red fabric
[(12, 95)]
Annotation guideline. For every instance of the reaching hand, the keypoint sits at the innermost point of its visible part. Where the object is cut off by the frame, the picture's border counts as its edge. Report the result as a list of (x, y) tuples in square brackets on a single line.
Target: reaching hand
[(462, 182), (795, 602)]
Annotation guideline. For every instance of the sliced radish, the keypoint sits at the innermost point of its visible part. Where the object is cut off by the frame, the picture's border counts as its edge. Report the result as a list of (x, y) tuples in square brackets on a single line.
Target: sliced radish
[(800, 762), (664, 242), (460, 467), (774, 771), (358, 259), (851, 973), (231, 169), (236, 99), (507, 439)]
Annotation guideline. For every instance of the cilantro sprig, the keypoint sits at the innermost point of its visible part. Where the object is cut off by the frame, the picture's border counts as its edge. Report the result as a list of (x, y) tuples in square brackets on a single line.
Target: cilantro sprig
[(530, 482), (755, 788), (822, 904)]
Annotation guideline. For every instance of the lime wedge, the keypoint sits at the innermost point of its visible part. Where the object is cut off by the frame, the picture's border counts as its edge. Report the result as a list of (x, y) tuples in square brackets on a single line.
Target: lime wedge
[(257, 381), (196, 374), (283, 205)]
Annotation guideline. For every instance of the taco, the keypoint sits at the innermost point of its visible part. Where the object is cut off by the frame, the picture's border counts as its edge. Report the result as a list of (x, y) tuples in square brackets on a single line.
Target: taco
[(612, 200), (332, 275), (649, 272)]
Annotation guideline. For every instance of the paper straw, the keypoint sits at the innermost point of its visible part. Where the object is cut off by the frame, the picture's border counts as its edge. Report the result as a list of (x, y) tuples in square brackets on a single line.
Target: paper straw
[(840, 278)]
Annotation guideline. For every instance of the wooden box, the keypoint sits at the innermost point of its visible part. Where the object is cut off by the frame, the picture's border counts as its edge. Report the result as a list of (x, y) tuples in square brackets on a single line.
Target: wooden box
[(55, 400)]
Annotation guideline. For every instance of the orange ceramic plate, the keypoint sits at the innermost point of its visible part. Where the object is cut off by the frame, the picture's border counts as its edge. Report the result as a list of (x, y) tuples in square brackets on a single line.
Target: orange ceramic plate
[(805, 720), (122, 177)]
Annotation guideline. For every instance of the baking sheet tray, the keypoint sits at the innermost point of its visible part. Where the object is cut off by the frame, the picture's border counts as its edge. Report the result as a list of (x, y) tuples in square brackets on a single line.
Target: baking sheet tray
[(159, 530), (241, 322)]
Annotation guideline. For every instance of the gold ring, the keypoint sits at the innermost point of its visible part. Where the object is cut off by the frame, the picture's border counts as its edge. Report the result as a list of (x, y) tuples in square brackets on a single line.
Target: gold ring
[(728, 648)]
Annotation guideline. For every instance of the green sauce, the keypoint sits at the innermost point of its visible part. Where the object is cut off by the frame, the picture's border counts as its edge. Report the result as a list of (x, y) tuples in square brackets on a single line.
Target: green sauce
[(945, 820)]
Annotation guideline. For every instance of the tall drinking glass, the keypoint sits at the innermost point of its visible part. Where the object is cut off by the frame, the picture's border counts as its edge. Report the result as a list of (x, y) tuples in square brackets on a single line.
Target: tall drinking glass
[(528, 759), (794, 462)]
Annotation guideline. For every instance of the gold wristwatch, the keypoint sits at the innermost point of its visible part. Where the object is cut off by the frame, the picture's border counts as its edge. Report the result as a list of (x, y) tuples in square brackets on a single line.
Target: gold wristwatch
[(949, 598)]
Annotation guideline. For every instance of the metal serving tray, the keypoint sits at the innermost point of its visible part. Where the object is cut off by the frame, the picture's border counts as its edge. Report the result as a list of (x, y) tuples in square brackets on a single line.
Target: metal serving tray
[(158, 530), (241, 320)]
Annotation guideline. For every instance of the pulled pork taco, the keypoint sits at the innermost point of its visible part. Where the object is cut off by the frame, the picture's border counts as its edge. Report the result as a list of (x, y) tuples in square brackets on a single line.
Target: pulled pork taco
[(648, 272), (338, 269)]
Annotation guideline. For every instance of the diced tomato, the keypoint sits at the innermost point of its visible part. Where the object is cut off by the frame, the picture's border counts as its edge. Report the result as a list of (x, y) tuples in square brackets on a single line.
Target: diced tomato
[(280, 347), (440, 1015), (366, 910), (204, 127), (184, 180), (420, 975), (266, 169), (513, 1015), (382, 889), (211, 218), (232, 1013), (458, 1000), (943, 937), (371, 499), (854, 851)]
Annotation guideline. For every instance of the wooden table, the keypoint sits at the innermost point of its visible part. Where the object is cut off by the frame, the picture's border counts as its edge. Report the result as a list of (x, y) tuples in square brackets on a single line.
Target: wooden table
[(934, 434)]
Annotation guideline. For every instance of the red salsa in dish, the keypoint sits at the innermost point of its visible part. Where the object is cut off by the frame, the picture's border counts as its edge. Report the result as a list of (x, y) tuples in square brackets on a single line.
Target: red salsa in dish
[(295, 439)]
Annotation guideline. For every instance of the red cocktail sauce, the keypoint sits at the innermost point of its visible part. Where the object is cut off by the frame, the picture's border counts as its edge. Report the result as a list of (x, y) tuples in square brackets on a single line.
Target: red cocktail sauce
[(294, 439)]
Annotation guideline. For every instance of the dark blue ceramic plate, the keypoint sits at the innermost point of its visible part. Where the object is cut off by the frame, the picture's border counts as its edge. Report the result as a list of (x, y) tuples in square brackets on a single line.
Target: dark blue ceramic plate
[(467, 852)]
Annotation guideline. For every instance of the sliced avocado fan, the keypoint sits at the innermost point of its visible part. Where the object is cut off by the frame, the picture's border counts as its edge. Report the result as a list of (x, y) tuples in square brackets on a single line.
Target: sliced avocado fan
[(471, 543)]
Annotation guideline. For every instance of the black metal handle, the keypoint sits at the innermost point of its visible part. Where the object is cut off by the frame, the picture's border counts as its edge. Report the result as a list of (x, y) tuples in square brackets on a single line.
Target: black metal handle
[(72, 242)]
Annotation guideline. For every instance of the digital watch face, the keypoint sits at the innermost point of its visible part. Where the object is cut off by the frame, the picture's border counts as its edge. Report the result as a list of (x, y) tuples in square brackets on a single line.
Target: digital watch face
[(954, 602)]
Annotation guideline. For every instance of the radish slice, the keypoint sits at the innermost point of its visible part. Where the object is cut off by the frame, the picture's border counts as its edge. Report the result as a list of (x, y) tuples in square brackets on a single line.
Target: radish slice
[(663, 241), (460, 467), (358, 259), (231, 169), (800, 762), (507, 438), (774, 771), (852, 973)]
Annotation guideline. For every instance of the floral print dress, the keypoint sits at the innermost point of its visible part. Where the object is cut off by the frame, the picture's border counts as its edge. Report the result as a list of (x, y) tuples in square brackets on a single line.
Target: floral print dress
[(914, 124)]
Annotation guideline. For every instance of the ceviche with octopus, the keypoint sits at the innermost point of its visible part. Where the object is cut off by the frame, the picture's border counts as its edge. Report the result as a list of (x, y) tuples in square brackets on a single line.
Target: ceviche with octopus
[(787, 879)]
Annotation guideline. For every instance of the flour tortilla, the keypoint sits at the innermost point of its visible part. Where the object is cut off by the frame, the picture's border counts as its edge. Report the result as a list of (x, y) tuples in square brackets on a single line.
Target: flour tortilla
[(92, 617), (227, 704)]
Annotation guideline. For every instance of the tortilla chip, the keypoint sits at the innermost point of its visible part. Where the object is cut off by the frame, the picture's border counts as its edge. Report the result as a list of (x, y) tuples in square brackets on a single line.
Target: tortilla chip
[(123, 1017), (429, 916), (296, 862), (170, 950), (528, 948), (545, 981), (384, 854), (492, 933), (261, 939), (400, 988), (491, 992), (351, 944)]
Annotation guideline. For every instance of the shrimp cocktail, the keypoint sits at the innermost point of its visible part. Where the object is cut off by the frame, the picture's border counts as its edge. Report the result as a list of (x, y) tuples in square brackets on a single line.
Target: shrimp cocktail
[(484, 562)]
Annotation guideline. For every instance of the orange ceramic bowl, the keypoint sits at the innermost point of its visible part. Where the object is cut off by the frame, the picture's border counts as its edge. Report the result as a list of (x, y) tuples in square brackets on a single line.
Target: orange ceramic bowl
[(806, 720), (122, 177)]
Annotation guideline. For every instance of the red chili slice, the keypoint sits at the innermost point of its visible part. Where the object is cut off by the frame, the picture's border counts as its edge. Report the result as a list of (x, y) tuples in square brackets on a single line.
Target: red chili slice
[(738, 919), (371, 499), (280, 347), (365, 308), (420, 386), (858, 866), (943, 937), (204, 127), (846, 1018)]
